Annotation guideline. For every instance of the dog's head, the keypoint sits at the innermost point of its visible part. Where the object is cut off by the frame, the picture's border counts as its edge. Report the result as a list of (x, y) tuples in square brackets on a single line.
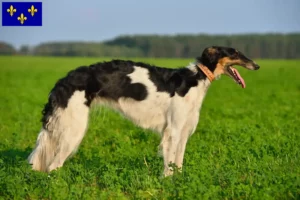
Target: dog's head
[(220, 60)]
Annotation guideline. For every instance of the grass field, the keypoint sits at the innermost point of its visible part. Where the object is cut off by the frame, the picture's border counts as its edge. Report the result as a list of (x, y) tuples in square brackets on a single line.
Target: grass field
[(246, 145)]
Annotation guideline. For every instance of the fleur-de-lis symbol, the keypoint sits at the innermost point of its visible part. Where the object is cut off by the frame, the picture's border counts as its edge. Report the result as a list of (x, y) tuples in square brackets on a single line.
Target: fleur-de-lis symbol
[(22, 18), (11, 10), (32, 10)]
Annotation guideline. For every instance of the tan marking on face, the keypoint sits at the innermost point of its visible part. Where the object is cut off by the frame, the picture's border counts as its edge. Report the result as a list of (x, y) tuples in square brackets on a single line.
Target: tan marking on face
[(223, 62), (220, 69)]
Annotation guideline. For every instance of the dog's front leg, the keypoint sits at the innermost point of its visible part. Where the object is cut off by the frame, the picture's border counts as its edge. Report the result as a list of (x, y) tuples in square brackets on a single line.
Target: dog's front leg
[(181, 145), (188, 129), (180, 151), (176, 120), (169, 145), (165, 146)]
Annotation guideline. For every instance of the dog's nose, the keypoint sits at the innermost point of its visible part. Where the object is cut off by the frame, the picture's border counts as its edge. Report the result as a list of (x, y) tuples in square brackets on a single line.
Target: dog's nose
[(256, 66)]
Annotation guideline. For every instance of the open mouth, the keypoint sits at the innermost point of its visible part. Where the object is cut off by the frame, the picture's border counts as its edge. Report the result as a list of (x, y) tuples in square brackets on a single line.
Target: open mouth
[(236, 76)]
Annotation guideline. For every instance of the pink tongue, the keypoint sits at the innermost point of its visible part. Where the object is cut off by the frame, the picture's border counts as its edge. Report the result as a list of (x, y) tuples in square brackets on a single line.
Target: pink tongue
[(239, 76)]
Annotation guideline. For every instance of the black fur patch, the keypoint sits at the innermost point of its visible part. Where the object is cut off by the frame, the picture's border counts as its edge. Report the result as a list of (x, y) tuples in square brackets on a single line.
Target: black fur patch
[(110, 80), (63, 90)]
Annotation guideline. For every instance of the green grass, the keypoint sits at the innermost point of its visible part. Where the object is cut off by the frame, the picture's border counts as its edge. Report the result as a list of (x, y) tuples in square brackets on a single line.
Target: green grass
[(246, 145)]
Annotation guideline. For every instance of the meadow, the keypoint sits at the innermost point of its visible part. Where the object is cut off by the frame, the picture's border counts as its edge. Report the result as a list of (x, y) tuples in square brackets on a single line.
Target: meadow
[(246, 145)]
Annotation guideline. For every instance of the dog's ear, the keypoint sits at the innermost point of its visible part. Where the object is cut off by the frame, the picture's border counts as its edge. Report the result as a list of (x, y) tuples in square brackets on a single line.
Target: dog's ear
[(209, 57)]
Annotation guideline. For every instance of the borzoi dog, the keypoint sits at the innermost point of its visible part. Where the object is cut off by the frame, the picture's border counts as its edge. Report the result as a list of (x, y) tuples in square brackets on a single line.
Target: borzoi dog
[(165, 100)]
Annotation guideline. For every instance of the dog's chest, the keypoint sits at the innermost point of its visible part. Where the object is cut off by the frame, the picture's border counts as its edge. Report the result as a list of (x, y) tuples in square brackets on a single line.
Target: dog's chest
[(152, 112), (194, 98)]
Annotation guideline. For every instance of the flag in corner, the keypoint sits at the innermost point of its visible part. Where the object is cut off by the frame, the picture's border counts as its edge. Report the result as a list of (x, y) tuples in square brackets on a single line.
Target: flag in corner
[(21, 13)]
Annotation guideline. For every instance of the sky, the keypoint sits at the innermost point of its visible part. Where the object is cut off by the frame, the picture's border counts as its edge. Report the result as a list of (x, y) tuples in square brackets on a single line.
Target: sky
[(99, 20)]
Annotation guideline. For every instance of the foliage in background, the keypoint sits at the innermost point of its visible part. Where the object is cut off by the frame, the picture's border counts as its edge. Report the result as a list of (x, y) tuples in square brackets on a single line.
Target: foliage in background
[(180, 46), (7, 49)]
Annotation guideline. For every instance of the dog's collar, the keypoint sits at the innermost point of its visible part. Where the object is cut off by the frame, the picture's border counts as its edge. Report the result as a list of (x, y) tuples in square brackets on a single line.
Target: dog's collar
[(207, 72)]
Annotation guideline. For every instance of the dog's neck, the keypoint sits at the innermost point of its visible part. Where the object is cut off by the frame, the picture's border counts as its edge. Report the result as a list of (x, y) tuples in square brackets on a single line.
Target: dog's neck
[(206, 71)]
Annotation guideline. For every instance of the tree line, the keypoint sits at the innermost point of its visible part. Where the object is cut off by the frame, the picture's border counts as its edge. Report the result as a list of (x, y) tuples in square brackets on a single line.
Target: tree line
[(285, 46)]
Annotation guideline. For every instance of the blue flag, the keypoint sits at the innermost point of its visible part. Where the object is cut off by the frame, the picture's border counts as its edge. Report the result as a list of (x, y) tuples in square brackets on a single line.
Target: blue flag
[(21, 13)]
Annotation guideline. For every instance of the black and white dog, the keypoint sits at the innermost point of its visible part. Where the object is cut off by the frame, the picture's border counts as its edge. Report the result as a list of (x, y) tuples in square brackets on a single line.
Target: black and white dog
[(162, 99)]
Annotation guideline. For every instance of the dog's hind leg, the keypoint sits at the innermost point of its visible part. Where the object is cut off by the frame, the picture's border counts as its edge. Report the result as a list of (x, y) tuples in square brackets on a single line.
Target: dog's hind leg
[(73, 121), (61, 134), (43, 153), (65, 119)]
